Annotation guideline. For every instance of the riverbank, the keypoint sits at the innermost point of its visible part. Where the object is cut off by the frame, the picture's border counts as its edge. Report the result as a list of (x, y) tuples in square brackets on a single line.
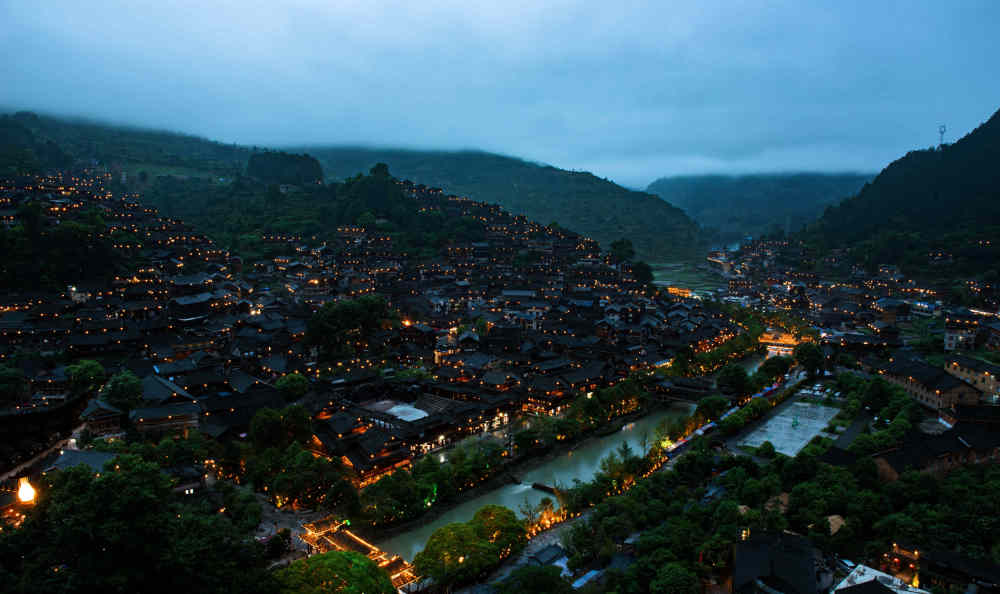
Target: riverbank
[(554, 534), (545, 538), (562, 467), (512, 474)]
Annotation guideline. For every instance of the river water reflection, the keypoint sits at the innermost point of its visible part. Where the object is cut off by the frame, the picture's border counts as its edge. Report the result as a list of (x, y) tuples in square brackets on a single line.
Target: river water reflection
[(579, 464)]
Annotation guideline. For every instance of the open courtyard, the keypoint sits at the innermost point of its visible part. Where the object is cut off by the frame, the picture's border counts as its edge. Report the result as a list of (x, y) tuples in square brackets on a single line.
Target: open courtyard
[(791, 429)]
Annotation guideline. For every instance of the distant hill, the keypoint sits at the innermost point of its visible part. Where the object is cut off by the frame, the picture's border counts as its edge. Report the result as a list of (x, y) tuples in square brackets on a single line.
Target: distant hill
[(22, 152), (578, 201), (944, 200), (735, 206), (111, 144)]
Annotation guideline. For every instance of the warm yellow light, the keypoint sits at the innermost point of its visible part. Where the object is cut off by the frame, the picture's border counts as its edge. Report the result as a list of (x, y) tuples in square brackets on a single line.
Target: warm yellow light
[(25, 492)]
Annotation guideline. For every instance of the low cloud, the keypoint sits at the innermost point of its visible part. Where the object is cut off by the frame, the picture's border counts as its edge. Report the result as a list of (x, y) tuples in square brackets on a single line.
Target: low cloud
[(630, 91)]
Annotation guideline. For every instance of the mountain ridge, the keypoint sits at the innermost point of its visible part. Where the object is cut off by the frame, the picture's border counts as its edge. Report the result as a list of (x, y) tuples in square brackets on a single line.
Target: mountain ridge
[(943, 200), (577, 200), (755, 204)]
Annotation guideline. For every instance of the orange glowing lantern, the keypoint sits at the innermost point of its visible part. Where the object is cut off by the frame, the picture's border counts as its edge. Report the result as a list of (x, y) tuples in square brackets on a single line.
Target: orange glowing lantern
[(25, 492)]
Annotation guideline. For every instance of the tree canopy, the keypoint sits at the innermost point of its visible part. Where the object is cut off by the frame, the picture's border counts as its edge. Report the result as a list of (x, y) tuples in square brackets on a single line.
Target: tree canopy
[(341, 328), (123, 391), (284, 168), (271, 428), (12, 384), (810, 356), (733, 379), (580, 201), (535, 579), (622, 250), (293, 386), (336, 572), (455, 554), (122, 530), (85, 376), (642, 272)]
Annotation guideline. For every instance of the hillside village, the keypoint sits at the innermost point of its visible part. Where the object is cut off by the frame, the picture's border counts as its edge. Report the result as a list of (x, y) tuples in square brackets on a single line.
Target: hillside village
[(493, 335), (396, 355)]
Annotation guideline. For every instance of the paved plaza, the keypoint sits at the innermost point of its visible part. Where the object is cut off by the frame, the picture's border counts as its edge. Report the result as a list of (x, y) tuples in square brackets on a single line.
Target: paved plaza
[(791, 429)]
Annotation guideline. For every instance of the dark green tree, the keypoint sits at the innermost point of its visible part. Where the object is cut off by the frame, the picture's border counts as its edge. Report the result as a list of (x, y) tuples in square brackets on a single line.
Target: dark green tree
[(622, 250), (12, 384), (810, 356), (85, 377), (534, 579), (501, 527), (733, 379), (674, 578), (341, 328), (123, 391), (642, 272), (456, 554), (123, 531), (293, 386), (712, 407), (336, 572), (775, 367), (271, 428)]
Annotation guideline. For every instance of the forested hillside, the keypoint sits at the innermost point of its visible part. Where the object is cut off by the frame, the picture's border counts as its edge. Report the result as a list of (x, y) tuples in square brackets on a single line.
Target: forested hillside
[(125, 145), (931, 205), (22, 153), (239, 214), (735, 206), (284, 168), (576, 200)]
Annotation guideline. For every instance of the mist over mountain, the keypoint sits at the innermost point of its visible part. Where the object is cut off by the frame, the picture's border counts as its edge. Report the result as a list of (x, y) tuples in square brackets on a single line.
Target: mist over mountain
[(737, 205), (156, 159)]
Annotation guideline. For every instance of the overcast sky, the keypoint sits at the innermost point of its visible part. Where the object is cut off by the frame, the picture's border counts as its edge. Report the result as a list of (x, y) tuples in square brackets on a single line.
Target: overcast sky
[(629, 90)]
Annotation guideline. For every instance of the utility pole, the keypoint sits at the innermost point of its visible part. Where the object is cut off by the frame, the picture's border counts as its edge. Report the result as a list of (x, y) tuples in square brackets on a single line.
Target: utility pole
[(941, 130)]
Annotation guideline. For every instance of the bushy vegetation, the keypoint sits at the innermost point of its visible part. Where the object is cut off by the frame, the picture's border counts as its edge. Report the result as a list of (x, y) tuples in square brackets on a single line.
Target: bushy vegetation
[(284, 168), (37, 254), (407, 494), (13, 385), (694, 534), (123, 530), (239, 214), (82, 139), (461, 552), (336, 572), (342, 328), (895, 410)]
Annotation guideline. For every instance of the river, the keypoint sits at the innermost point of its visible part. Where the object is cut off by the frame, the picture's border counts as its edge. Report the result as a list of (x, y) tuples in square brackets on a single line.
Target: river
[(580, 463)]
